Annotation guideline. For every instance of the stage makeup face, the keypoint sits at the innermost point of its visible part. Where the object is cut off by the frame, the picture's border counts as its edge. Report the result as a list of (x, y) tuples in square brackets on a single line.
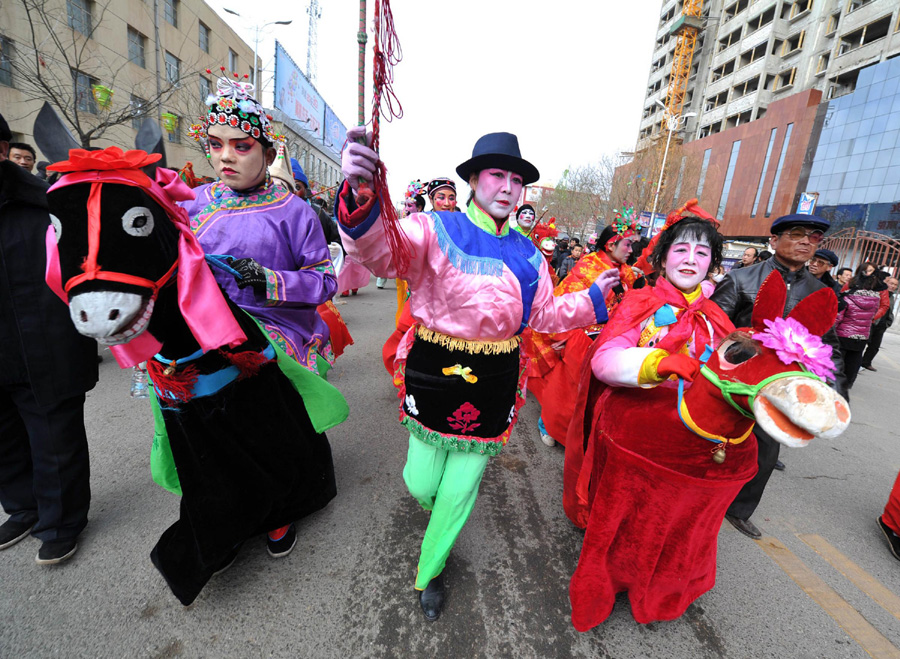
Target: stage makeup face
[(443, 199), (526, 219), (239, 160), (687, 264), (497, 192)]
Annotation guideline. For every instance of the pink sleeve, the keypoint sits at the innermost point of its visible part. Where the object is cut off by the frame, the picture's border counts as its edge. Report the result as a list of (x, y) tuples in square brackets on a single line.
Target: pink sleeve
[(618, 361), (550, 313)]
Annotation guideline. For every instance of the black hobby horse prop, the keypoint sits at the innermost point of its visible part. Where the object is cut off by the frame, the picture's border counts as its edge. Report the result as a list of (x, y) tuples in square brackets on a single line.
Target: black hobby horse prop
[(247, 445)]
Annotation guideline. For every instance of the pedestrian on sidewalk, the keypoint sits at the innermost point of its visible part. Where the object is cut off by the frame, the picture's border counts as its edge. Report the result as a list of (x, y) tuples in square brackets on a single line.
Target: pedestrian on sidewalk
[(861, 302), (794, 240), (46, 367), (880, 326), (475, 286)]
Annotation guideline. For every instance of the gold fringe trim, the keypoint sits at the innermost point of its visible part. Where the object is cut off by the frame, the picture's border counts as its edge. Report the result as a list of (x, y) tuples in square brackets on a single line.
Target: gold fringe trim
[(467, 345)]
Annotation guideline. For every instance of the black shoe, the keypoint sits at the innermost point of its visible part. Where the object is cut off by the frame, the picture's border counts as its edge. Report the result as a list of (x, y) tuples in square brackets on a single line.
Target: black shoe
[(11, 532), (56, 551), (893, 540), (432, 598), (745, 526), (779, 465), (869, 367), (283, 546)]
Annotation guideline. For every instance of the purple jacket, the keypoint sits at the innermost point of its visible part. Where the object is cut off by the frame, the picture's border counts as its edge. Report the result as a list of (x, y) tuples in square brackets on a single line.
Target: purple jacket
[(855, 321)]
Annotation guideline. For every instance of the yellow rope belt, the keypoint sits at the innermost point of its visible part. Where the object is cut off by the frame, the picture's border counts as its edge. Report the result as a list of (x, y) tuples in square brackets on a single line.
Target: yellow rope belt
[(467, 345)]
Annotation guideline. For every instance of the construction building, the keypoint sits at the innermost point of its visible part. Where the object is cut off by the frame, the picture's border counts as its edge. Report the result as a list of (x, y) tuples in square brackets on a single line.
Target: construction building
[(122, 61), (760, 80)]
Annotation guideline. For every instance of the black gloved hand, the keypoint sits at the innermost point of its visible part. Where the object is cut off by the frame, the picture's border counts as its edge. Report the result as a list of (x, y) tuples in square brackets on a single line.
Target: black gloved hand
[(252, 273)]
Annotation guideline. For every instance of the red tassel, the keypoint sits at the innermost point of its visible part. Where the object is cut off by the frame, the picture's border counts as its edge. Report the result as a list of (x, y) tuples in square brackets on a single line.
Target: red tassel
[(176, 388), (248, 362)]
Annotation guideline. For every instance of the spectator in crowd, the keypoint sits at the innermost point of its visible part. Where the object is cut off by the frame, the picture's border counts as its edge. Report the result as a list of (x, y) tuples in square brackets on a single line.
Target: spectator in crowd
[(561, 252), (46, 367), (844, 275), (820, 267), (748, 258), (764, 255), (879, 327), (862, 300), (23, 155), (570, 261)]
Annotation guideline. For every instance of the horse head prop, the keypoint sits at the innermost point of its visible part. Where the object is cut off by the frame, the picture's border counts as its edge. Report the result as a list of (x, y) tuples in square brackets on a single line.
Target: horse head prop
[(772, 373), (120, 248)]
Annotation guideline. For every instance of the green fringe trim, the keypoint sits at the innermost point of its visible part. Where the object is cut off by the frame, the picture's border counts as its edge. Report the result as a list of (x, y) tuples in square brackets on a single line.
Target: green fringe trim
[(449, 442)]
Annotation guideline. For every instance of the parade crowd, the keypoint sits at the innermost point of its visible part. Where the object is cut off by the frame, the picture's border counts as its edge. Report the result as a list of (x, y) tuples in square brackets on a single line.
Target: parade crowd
[(221, 290)]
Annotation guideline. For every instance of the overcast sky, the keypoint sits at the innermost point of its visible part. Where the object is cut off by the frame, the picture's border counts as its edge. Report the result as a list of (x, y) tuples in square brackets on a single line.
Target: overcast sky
[(568, 77)]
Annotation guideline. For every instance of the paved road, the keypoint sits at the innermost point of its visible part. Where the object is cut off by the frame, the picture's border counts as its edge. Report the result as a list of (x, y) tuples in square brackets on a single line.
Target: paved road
[(346, 591)]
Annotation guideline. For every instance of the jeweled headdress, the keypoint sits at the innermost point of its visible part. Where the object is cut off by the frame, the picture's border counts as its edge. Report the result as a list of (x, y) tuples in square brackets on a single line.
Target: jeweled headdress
[(233, 105)]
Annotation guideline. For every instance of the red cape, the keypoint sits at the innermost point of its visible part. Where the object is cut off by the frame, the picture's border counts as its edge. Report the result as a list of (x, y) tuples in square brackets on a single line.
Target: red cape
[(648, 493), (635, 307)]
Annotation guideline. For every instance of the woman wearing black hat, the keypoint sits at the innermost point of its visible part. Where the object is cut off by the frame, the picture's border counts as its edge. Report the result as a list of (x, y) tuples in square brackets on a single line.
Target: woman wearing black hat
[(475, 286)]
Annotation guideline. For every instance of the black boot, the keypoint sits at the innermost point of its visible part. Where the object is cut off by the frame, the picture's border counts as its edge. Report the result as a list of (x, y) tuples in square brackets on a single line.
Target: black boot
[(432, 598)]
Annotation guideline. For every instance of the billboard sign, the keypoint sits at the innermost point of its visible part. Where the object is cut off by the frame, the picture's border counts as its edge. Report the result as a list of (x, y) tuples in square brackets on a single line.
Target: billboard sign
[(807, 203), (335, 131), (295, 96)]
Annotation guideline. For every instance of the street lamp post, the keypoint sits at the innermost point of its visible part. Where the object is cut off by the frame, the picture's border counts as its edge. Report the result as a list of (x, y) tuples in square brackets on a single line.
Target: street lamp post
[(672, 123), (257, 28)]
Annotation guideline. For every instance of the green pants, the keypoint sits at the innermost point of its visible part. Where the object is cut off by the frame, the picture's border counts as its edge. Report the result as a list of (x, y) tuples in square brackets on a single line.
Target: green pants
[(446, 483)]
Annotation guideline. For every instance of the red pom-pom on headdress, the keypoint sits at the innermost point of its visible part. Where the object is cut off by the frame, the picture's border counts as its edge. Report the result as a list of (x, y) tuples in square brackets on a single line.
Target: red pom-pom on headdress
[(690, 209)]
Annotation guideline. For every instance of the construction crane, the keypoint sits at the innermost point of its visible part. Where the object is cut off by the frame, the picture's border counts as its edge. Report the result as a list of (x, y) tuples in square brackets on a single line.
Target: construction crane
[(686, 28), (312, 46)]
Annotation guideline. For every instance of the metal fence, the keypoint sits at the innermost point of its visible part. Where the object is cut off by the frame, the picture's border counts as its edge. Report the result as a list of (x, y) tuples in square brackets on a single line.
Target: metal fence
[(855, 247)]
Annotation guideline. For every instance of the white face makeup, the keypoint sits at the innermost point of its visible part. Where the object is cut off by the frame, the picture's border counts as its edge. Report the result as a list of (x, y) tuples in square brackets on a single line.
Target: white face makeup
[(497, 191), (687, 263), (526, 219)]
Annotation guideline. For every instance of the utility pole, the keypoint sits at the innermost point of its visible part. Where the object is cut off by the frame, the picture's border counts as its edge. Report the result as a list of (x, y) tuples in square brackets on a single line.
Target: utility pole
[(156, 54), (313, 40)]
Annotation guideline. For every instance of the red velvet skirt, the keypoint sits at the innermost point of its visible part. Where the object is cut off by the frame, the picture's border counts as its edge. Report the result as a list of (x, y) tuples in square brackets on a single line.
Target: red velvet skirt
[(658, 503)]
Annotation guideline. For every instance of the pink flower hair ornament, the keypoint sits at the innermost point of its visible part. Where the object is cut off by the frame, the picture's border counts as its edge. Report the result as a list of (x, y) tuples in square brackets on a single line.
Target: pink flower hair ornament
[(793, 342)]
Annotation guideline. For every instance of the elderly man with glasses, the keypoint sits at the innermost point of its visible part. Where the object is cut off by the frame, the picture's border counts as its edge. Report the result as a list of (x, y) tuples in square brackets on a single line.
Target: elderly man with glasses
[(820, 267), (794, 241)]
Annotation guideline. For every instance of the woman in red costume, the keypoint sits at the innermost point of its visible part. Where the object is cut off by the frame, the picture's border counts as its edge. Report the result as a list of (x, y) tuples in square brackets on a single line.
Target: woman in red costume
[(555, 359), (656, 335)]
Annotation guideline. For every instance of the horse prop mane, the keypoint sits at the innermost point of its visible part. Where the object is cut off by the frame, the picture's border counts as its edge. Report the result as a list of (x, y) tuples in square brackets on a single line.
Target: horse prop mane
[(659, 491), (248, 455)]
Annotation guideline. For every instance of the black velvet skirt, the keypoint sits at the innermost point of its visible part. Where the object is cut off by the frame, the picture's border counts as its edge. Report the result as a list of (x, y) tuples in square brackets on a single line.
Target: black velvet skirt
[(460, 400), (249, 461)]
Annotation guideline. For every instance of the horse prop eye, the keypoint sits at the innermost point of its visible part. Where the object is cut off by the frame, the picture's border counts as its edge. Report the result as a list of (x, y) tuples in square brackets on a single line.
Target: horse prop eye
[(138, 221), (738, 352), (57, 227)]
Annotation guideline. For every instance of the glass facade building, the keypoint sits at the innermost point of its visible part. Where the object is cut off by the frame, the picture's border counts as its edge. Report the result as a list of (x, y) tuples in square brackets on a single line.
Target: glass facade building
[(856, 167)]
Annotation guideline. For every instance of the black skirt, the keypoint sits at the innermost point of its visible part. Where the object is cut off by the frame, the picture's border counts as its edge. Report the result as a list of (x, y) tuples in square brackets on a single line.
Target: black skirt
[(459, 400)]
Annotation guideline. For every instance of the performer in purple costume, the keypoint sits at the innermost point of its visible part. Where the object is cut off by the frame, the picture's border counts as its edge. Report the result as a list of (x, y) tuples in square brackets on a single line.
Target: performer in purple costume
[(274, 237)]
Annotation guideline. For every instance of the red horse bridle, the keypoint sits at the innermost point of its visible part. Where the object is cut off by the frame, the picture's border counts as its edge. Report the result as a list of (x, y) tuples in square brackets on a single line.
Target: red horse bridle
[(92, 270)]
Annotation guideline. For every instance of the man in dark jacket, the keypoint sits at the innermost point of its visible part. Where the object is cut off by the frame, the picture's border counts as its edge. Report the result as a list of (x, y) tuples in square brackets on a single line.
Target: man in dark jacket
[(793, 240), (45, 369), (820, 267)]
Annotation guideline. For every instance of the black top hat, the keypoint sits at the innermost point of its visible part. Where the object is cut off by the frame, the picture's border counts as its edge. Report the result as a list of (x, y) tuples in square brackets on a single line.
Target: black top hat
[(500, 150)]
